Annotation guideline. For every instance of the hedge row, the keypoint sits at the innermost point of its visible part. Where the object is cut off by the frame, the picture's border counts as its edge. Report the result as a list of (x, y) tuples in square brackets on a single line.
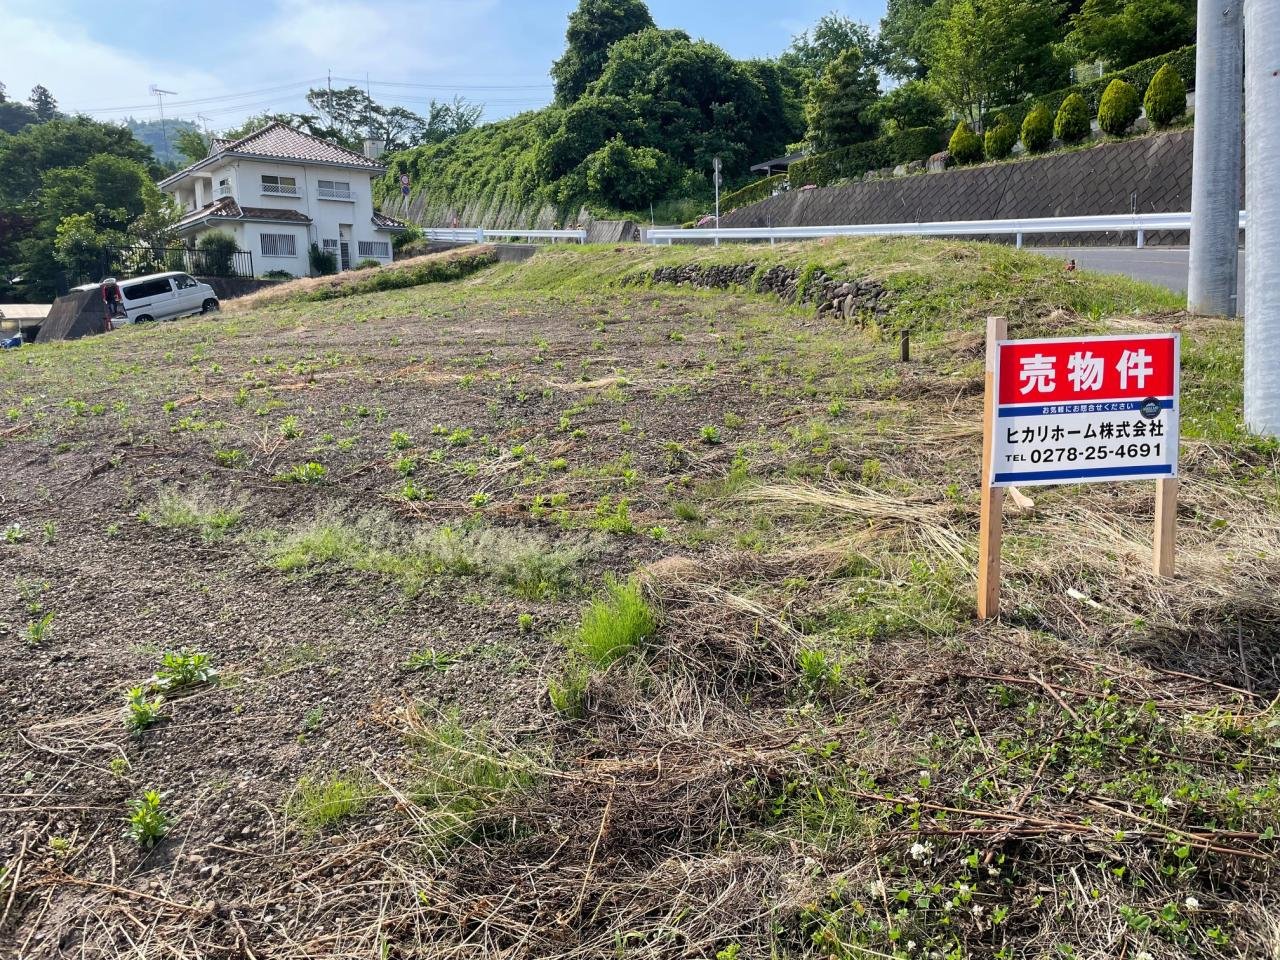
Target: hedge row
[(918, 143), (1138, 74), (752, 192)]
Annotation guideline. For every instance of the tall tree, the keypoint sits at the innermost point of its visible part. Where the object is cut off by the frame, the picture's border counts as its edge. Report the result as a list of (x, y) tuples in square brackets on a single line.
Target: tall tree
[(192, 145), (908, 32), (812, 51), (593, 28), (995, 52), (839, 106), (1122, 32), (42, 102)]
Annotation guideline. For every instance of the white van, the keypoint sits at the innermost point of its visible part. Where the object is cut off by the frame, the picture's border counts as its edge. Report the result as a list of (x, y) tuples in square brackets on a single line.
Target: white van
[(162, 296)]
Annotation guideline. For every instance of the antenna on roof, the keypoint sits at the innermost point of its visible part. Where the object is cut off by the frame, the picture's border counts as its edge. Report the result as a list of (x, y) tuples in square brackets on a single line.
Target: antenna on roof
[(160, 95)]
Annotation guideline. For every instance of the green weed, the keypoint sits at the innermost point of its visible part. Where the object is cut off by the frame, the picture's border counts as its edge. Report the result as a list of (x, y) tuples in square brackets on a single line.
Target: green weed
[(147, 823)]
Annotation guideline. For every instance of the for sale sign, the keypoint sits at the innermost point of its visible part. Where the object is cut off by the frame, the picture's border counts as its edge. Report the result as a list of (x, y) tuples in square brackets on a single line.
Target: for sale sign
[(1084, 410)]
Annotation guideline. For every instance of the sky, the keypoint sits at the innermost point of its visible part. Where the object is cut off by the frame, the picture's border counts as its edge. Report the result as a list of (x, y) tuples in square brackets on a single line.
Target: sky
[(230, 59)]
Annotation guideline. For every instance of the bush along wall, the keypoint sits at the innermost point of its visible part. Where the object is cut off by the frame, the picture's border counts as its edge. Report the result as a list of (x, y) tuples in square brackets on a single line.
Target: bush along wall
[(821, 169), (1139, 75), (752, 192)]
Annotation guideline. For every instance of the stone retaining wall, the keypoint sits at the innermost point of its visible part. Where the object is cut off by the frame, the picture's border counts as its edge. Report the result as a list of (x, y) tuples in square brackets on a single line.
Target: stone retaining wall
[(1145, 174), (848, 297)]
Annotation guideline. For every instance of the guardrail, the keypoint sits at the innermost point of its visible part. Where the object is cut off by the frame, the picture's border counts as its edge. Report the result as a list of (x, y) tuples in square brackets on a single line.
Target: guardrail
[(480, 235), (1140, 224)]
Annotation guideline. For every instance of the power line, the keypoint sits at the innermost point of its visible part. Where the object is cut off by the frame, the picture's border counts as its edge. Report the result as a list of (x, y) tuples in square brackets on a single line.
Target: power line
[(203, 100)]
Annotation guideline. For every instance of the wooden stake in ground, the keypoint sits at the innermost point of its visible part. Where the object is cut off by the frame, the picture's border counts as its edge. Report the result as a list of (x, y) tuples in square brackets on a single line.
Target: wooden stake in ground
[(1162, 557), (991, 520)]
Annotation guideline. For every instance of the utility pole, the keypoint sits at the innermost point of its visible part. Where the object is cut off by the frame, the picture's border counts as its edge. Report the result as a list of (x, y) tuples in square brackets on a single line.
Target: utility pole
[(1261, 306), (1215, 175), (204, 123)]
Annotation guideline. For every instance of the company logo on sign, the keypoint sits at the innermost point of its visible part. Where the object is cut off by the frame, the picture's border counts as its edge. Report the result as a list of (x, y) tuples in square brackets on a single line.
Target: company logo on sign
[(1088, 409)]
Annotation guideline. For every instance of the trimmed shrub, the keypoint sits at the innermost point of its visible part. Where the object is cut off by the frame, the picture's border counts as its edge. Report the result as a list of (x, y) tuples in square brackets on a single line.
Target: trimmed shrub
[(1037, 129), (752, 192), (1166, 98), (1119, 108), (1073, 121), (824, 168), (219, 251), (323, 263), (998, 142), (965, 146), (367, 263)]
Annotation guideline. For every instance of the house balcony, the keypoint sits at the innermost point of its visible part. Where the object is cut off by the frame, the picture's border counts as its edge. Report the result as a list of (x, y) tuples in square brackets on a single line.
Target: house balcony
[(280, 190), (334, 193), (223, 190)]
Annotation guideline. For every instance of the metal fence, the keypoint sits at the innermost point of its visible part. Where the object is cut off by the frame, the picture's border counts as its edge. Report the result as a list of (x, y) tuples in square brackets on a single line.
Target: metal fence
[(125, 262), (480, 235), (1139, 224)]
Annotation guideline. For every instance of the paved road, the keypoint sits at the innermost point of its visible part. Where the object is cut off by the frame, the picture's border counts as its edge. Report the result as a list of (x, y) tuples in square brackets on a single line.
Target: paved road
[(1164, 266)]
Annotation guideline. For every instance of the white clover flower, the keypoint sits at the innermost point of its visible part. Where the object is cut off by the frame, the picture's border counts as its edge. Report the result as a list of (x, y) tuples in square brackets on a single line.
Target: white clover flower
[(1143, 955), (977, 909), (1192, 903), (920, 851), (876, 888)]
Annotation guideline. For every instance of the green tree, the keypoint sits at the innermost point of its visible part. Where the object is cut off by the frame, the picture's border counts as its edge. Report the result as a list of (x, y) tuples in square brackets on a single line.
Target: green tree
[(43, 104), (27, 155), (1166, 98), (1037, 129), (912, 104), (908, 33), (629, 177), (192, 145), (998, 141), (813, 51), (1122, 32), (1073, 122), (992, 52), (1118, 108), (965, 146), (83, 247), (839, 107), (593, 28)]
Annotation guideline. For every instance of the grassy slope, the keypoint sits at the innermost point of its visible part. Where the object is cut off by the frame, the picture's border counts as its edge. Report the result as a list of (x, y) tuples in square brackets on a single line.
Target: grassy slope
[(817, 751)]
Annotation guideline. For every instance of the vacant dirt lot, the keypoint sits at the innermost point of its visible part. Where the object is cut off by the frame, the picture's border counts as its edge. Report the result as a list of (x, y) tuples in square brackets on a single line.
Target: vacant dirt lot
[(551, 615)]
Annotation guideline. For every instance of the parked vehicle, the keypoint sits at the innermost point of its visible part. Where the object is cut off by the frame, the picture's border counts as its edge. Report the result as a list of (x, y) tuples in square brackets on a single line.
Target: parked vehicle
[(162, 296)]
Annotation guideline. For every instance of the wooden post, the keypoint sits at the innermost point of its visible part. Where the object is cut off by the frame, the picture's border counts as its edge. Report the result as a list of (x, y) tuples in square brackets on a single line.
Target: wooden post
[(904, 344), (1162, 558), (991, 517)]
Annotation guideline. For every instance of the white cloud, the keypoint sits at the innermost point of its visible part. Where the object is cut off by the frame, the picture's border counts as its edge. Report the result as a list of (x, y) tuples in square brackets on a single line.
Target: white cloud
[(86, 73)]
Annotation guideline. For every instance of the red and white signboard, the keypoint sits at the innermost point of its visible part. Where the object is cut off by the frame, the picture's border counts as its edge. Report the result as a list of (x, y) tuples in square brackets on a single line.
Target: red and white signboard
[(1085, 409)]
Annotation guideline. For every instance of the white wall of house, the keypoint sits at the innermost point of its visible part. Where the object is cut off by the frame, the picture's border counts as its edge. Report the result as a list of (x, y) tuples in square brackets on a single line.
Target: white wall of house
[(338, 200)]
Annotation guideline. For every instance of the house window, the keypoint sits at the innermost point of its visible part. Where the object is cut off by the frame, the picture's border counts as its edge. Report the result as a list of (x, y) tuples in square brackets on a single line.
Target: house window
[(281, 186), (333, 190), (375, 248), (330, 246), (278, 245)]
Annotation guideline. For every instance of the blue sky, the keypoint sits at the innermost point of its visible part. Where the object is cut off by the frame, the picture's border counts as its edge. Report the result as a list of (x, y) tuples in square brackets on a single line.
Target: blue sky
[(238, 57)]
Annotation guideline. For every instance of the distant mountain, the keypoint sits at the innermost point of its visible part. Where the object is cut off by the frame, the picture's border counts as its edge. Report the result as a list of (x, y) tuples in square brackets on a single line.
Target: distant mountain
[(153, 135)]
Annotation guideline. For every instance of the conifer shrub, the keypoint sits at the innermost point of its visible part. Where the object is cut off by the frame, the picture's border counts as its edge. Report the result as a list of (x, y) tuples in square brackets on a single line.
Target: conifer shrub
[(965, 145), (1120, 106), (1166, 98), (1037, 129), (1073, 122), (998, 142)]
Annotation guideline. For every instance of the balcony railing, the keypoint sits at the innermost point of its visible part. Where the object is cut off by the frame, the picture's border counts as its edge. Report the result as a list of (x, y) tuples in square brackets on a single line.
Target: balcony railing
[(280, 189), (222, 190), (334, 193)]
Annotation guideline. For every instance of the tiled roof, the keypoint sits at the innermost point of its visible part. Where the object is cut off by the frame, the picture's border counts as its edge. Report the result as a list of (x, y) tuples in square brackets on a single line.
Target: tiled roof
[(282, 142), (228, 209), (217, 145), (382, 222)]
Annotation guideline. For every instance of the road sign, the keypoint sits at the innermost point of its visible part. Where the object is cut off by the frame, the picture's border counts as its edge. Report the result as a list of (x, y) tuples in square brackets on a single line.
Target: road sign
[(1085, 409), (404, 184)]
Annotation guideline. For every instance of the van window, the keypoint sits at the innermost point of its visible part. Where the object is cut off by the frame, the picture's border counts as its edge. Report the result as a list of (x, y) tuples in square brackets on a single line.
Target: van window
[(185, 282), (146, 289)]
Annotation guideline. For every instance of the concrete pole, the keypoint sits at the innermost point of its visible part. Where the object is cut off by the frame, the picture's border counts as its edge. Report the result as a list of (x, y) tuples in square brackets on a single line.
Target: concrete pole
[(1262, 203), (1215, 175)]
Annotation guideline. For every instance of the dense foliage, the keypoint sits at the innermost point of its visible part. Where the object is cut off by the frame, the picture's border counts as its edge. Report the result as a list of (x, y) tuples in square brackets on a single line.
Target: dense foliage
[(70, 188), (1166, 98), (965, 146), (1037, 129), (1073, 121), (1119, 108), (841, 102), (853, 161), (593, 28), (1122, 32), (998, 141)]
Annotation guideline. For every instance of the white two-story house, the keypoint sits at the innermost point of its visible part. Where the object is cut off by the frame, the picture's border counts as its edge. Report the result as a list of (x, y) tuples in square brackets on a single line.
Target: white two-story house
[(278, 191)]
